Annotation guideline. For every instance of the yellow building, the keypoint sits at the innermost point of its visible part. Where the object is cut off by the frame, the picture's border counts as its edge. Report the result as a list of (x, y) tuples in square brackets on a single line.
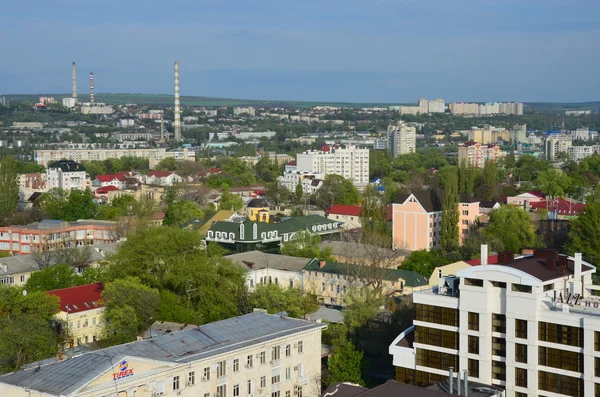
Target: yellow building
[(81, 309), (446, 270), (258, 210)]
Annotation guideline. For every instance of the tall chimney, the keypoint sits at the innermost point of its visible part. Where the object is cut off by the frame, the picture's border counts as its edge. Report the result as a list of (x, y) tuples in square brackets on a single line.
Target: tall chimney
[(91, 87), (484, 254), (458, 383), (451, 380), (162, 129), (177, 123), (466, 380), (74, 81)]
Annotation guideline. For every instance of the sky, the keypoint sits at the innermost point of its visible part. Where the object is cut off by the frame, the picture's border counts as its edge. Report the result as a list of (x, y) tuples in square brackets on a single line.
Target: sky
[(388, 51)]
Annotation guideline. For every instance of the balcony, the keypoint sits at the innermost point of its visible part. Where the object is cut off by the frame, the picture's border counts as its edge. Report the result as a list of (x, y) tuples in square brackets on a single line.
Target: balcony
[(302, 380)]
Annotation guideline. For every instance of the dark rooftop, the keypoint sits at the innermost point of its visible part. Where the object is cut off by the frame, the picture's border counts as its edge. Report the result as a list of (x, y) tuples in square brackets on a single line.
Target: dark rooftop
[(544, 264), (388, 389)]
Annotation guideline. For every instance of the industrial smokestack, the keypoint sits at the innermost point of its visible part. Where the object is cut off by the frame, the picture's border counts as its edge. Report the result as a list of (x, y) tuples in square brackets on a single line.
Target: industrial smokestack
[(177, 123), (74, 81), (91, 87)]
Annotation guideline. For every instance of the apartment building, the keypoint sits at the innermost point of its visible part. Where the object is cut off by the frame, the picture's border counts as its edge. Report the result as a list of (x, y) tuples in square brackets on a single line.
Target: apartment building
[(81, 309), (350, 162), (488, 135), (348, 215), (249, 110), (401, 138), (519, 133), (581, 134), (256, 354), (331, 281), (51, 235), (154, 156), (578, 153), (66, 175), (476, 154), (310, 181), (417, 220), (529, 325), (556, 143)]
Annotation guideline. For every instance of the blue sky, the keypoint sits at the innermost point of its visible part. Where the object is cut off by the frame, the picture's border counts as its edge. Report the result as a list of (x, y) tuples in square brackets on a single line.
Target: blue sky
[(323, 50)]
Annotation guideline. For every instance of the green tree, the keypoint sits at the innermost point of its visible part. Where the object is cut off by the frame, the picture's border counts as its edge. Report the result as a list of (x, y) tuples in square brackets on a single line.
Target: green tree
[(108, 213), (336, 190), (172, 193), (424, 262), (511, 229), (276, 192), (130, 307), (27, 328), (466, 178), (306, 245), (299, 192), (181, 213), (275, 299), (9, 186), (489, 178), (167, 164), (552, 182), (583, 231), (230, 201), (362, 305), (51, 278), (80, 205), (450, 215), (345, 363)]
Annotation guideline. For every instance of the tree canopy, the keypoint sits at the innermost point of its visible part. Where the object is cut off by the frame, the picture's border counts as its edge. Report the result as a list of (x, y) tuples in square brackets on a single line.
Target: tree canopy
[(306, 245), (336, 190), (511, 229)]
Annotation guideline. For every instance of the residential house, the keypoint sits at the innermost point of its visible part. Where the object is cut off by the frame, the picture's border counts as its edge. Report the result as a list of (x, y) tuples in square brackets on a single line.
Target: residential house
[(81, 308), (117, 180), (349, 215), (161, 178), (256, 354), (66, 175), (526, 199)]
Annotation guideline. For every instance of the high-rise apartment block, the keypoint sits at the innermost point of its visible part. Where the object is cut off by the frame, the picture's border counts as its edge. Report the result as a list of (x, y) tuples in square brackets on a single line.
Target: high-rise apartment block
[(154, 156), (529, 325), (488, 135), (249, 110), (578, 153), (350, 162), (519, 133), (476, 154), (582, 134), (490, 108), (556, 143), (401, 138)]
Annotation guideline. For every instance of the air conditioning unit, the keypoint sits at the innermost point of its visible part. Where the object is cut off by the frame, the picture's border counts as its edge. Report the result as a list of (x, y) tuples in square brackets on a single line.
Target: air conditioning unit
[(295, 368), (271, 362), (205, 379), (248, 366), (190, 384)]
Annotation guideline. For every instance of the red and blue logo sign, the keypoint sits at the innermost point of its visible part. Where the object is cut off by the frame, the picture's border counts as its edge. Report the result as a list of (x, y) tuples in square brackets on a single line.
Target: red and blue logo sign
[(124, 370)]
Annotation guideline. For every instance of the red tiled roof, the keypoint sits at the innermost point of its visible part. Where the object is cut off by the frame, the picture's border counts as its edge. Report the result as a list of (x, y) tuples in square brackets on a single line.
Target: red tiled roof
[(79, 299), (563, 206), (106, 189), (158, 215), (214, 170), (293, 162), (351, 210), (160, 174), (121, 176), (492, 260)]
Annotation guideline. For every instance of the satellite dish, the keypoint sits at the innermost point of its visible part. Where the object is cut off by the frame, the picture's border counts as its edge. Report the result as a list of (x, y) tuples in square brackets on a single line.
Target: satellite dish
[(24, 292)]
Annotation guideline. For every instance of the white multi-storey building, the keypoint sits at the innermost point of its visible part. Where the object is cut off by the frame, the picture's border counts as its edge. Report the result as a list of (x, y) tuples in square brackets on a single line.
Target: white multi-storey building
[(350, 162), (401, 138), (310, 181), (244, 110), (66, 175), (554, 144), (437, 105), (44, 157), (252, 355), (578, 153), (581, 134), (529, 325)]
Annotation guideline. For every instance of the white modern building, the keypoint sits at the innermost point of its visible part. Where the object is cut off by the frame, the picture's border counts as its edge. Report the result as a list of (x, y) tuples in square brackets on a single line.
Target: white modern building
[(581, 134), (401, 138), (554, 144), (530, 325), (66, 175), (249, 110), (437, 105), (69, 102), (256, 354), (310, 181), (578, 153), (350, 162)]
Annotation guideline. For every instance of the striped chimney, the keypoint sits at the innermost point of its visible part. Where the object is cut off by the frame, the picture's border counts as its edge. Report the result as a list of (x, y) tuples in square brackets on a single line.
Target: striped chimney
[(91, 87), (177, 123), (74, 81)]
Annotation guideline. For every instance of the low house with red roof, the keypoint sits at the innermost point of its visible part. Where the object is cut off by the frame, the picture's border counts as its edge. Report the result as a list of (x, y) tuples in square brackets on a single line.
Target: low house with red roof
[(561, 207), (162, 178), (348, 214), (525, 199), (117, 180), (81, 309)]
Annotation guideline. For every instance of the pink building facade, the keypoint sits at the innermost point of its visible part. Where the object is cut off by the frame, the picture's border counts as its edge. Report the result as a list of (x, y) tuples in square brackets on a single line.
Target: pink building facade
[(417, 220)]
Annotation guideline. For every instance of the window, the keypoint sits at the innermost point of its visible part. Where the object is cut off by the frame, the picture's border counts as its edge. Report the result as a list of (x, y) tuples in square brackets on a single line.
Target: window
[(300, 347), (562, 359), (561, 384), (249, 387), (176, 383), (473, 344), (563, 334), (520, 353), (206, 394), (330, 287), (498, 284), (474, 368), (498, 323), (473, 321), (275, 379), (520, 377), (436, 314), (191, 378), (288, 350), (275, 393), (436, 337), (298, 391), (222, 391), (436, 359), (249, 363), (322, 286), (236, 365), (499, 347), (596, 366), (206, 376), (221, 369), (465, 212), (473, 282), (288, 393), (263, 382), (236, 390), (548, 287), (498, 370), (521, 288), (275, 354), (465, 221), (288, 373), (263, 357), (521, 329)]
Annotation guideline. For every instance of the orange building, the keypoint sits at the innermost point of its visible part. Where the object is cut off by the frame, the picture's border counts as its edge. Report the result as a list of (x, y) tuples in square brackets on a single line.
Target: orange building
[(417, 220)]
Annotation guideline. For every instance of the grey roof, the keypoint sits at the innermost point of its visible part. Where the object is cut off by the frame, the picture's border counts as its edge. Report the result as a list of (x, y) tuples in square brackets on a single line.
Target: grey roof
[(209, 340), (476, 389), (166, 327), (67, 166), (390, 388), (357, 250), (260, 260), (328, 315)]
